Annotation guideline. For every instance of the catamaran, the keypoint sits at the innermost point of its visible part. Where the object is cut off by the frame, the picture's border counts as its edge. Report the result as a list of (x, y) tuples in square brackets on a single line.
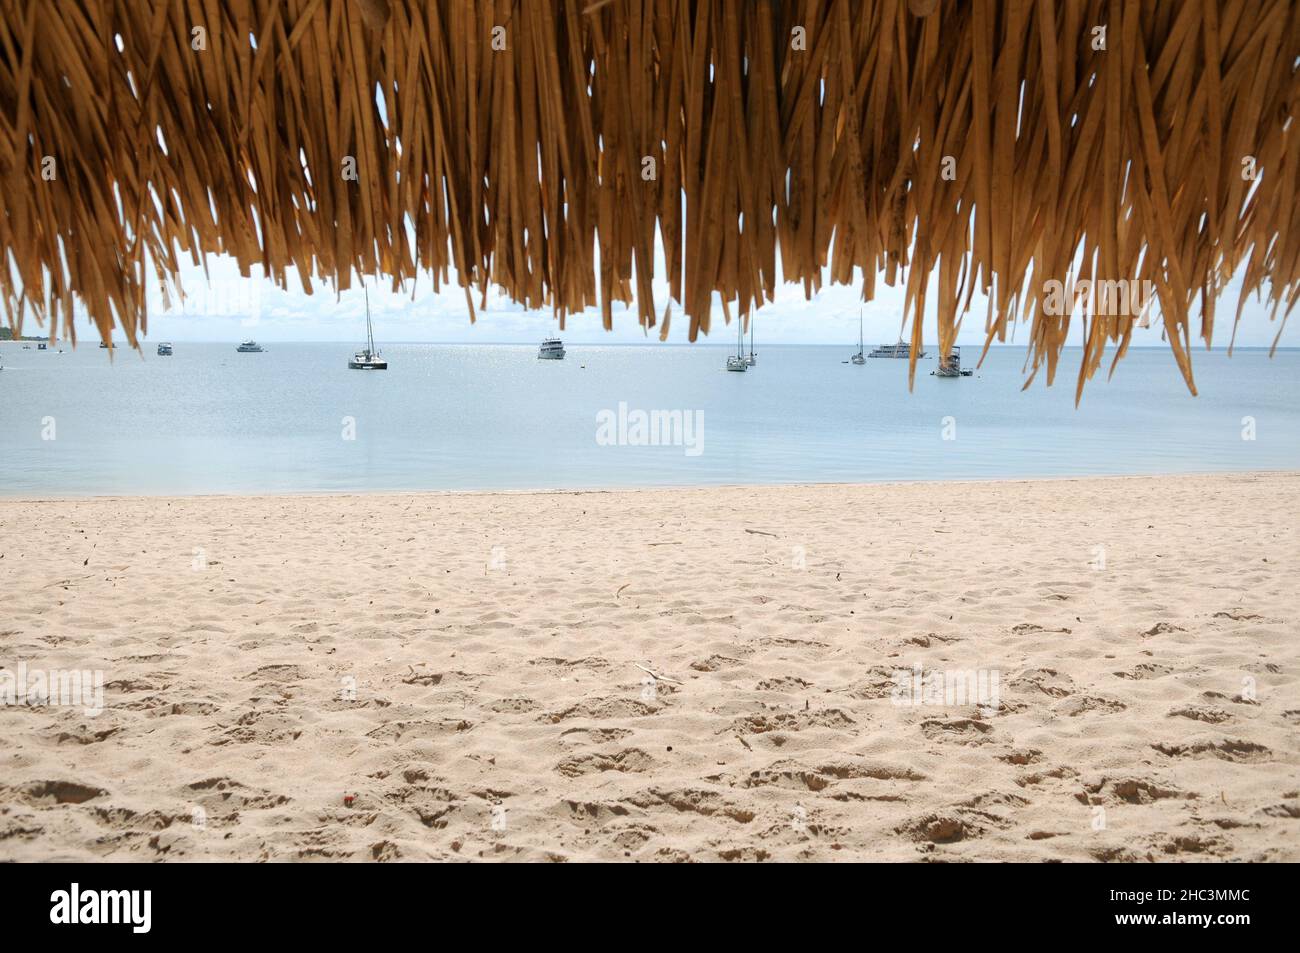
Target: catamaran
[(737, 362), (249, 347), (858, 358), (368, 359)]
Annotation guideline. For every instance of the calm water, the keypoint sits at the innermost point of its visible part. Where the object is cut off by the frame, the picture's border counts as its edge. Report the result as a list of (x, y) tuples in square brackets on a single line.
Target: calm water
[(210, 420)]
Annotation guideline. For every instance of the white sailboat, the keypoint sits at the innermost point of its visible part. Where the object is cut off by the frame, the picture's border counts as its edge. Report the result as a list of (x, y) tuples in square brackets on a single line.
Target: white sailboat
[(753, 358), (368, 359), (859, 358), (737, 362)]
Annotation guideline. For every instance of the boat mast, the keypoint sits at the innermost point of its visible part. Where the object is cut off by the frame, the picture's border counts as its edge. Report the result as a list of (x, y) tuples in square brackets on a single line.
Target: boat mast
[(859, 330), (370, 331), (751, 335)]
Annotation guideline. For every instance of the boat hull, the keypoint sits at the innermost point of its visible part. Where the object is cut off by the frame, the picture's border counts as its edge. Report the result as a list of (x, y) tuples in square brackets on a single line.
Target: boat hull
[(894, 352), (368, 365)]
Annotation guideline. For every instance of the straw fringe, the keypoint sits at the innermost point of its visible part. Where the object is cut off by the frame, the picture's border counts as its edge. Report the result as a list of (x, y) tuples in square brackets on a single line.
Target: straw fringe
[(549, 167)]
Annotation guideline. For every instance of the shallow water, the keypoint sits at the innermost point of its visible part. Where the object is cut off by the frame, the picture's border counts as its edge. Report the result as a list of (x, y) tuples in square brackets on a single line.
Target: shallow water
[(210, 420)]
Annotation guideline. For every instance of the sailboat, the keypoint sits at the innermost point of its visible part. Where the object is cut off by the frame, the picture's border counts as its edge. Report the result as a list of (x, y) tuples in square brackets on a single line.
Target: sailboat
[(753, 358), (368, 359), (858, 358), (737, 362)]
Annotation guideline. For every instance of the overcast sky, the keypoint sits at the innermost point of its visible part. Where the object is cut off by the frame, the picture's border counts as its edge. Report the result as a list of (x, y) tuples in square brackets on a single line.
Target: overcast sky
[(220, 311)]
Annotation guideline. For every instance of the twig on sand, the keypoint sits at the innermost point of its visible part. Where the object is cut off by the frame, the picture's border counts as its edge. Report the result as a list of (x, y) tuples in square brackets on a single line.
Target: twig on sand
[(621, 588), (759, 532), (655, 675), (676, 542), (741, 739)]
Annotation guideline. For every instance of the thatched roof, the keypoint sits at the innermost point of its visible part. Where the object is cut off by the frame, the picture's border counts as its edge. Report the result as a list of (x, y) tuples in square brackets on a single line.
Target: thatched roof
[(816, 131)]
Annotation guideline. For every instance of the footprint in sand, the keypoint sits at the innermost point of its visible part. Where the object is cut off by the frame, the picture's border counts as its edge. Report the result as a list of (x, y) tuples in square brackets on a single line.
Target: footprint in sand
[(762, 722), (56, 792), (1083, 704), (1226, 750), (629, 760), (601, 708), (963, 731), (1130, 790), (1046, 680), (1206, 713)]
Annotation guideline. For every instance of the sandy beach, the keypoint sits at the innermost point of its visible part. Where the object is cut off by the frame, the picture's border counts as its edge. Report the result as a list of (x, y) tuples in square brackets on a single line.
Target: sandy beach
[(661, 675)]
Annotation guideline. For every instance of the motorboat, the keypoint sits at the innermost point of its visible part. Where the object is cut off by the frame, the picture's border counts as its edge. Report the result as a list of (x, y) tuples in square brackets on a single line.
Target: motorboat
[(951, 365)]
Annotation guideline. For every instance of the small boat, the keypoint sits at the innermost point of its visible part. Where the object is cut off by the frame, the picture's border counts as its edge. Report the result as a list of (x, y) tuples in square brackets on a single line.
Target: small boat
[(368, 359), (552, 349), (737, 362), (42, 346), (165, 349), (249, 347), (951, 366), (858, 358), (107, 344), (753, 358)]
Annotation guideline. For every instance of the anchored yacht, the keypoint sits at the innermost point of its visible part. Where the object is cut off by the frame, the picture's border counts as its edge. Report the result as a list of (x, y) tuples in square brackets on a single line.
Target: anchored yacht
[(737, 361), (951, 366), (368, 359), (858, 358)]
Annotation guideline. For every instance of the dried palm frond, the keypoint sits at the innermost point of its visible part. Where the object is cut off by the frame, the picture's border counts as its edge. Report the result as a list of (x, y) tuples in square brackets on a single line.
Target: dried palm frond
[(547, 147)]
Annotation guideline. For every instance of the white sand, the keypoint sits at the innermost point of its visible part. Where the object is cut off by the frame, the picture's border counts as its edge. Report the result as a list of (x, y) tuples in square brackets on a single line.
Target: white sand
[(499, 711)]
